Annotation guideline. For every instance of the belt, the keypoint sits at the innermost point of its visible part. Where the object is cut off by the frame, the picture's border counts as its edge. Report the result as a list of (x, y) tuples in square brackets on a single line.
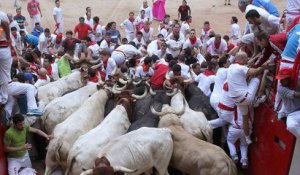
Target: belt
[(245, 97), (1, 47), (286, 61), (4, 43), (224, 107)]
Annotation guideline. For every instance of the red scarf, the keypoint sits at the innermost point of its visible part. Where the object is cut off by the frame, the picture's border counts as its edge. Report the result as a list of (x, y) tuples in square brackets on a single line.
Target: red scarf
[(217, 45), (208, 72), (146, 30), (131, 19), (15, 35), (183, 8), (95, 26), (49, 70), (158, 46), (145, 68), (206, 30), (92, 43), (94, 79), (43, 77), (58, 41), (163, 27), (193, 40)]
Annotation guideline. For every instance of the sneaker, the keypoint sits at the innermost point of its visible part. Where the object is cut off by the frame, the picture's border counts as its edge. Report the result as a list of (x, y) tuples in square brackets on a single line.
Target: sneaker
[(34, 112), (244, 163), (259, 100), (235, 159), (248, 140)]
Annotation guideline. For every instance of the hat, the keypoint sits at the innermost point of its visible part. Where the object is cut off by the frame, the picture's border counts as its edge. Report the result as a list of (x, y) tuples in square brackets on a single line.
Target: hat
[(59, 35), (28, 76), (284, 73)]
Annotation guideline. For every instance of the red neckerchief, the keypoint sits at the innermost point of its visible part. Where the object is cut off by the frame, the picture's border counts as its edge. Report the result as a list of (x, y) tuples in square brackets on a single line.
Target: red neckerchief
[(18, 15), (176, 39), (217, 45), (193, 40), (33, 67), (57, 41), (43, 77), (108, 43), (158, 46), (95, 26), (146, 30), (70, 42), (235, 62), (94, 79), (15, 35), (131, 19), (206, 30), (92, 43), (208, 72), (183, 7), (49, 70), (163, 27), (145, 68), (105, 63)]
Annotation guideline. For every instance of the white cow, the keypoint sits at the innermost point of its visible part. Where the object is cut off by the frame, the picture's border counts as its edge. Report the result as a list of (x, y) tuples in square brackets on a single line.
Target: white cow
[(193, 156), (60, 87), (137, 152), (194, 122), (83, 153), (62, 107), (88, 116)]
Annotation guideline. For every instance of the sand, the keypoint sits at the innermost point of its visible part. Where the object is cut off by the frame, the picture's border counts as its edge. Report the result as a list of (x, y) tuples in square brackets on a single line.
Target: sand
[(214, 11)]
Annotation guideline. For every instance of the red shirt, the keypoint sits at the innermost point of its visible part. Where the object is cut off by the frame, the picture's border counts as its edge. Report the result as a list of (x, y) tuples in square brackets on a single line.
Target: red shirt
[(159, 75), (230, 47), (33, 7), (295, 22), (83, 30)]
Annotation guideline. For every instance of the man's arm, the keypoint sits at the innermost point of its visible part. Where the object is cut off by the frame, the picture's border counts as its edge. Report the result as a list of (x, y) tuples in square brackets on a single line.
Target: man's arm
[(38, 6), (39, 132), (5, 26), (54, 16), (9, 149)]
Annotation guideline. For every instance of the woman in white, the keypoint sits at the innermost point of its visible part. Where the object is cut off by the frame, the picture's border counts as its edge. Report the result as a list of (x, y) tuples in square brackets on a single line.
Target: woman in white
[(235, 32)]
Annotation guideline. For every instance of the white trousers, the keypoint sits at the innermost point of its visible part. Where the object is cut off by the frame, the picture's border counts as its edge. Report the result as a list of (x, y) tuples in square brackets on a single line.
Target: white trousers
[(233, 135), (61, 27), (243, 102), (17, 88), (293, 123), (130, 36), (35, 19), (214, 101), (14, 164), (5, 66), (225, 117)]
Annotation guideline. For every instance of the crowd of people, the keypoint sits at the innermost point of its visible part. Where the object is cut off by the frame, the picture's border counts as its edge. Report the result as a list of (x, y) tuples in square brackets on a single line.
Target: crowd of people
[(230, 69)]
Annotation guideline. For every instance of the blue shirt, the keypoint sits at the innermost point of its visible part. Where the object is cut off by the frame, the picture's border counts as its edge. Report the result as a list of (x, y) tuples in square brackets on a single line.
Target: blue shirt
[(115, 34), (37, 32), (291, 47), (268, 5), (31, 39), (293, 30)]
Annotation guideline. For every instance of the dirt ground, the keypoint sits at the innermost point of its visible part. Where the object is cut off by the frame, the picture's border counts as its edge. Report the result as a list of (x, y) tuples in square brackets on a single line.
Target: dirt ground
[(214, 11)]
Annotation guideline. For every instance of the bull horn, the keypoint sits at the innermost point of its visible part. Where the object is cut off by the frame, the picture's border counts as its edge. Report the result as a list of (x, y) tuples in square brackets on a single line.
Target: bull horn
[(179, 113), (138, 97), (137, 82), (165, 86), (115, 91), (150, 88), (156, 112), (172, 93), (123, 169), (167, 76), (121, 88), (87, 172), (122, 81)]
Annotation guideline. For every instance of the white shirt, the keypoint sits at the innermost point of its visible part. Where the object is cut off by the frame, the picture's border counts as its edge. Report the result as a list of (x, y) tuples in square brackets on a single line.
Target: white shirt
[(270, 24), (235, 33), (111, 64), (55, 45), (14, 24), (42, 82), (147, 36), (104, 46), (184, 68), (236, 78), (220, 78), (129, 26), (140, 72), (164, 32), (95, 50), (160, 54), (90, 21), (3, 17), (293, 5), (16, 42), (137, 42), (139, 20), (211, 47), (181, 37), (200, 58), (173, 43), (184, 28), (148, 12), (98, 31), (43, 42), (59, 14), (129, 51), (152, 47), (184, 75), (188, 44), (204, 83)]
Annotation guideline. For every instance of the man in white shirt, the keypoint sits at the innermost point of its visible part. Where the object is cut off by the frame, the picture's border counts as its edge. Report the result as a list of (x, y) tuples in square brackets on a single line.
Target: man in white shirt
[(185, 26), (207, 78), (147, 9), (56, 43), (163, 30), (147, 32), (162, 52), (97, 30), (88, 19), (145, 71), (155, 45), (106, 44), (192, 42), (45, 41), (216, 46), (176, 73), (235, 32), (12, 22), (16, 41), (174, 46), (176, 30), (58, 17), (129, 27), (242, 92), (93, 49), (181, 62), (139, 40)]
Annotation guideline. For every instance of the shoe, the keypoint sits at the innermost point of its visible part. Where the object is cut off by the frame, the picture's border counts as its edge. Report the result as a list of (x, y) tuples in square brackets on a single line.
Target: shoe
[(244, 163), (259, 100), (228, 4), (225, 4), (235, 159), (248, 140), (34, 112)]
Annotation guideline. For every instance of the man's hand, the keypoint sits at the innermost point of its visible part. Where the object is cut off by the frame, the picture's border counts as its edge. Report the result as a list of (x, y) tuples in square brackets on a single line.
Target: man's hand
[(49, 137), (26, 147)]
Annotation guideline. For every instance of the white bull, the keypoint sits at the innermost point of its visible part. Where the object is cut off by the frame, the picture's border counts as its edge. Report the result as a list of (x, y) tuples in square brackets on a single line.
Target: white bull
[(194, 122), (88, 116), (193, 156), (83, 153), (62, 107), (137, 152), (58, 88)]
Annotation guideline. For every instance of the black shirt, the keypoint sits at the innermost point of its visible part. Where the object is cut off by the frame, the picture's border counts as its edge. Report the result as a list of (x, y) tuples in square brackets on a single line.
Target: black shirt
[(184, 13)]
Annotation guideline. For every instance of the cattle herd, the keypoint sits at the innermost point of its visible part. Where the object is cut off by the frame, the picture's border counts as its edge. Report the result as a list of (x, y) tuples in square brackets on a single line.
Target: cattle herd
[(125, 127)]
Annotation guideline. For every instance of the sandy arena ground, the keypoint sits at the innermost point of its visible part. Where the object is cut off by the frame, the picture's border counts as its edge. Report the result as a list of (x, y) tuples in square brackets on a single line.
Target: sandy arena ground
[(117, 10)]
